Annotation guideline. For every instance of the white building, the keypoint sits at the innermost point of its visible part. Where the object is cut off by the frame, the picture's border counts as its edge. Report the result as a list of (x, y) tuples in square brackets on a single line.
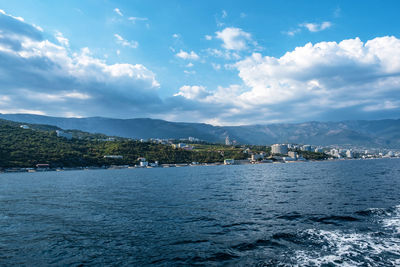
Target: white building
[(113, 157), (24, 126), (292, 154), (63, 134), (335, 153), (228, 141), (349, 154), (279, 149), (181, 145), (390, 154), (318, 150), (229, 161), (144, 164), (306, 148), (256, 157)]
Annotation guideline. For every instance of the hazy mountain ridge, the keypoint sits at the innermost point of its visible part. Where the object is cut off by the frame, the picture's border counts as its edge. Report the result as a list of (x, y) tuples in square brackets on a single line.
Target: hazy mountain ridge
[(358, 132)]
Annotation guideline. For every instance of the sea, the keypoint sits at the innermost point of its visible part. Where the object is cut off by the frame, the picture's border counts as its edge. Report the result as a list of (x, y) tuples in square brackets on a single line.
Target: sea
[(328, 213)]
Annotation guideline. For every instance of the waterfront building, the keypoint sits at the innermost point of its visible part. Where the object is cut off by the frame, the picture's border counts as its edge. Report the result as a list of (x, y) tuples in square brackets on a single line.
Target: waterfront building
[(279, 149), (113, 157), (256, 157), (335, 153), (292, 154), (349, 154), (229, 161), (306, 148), (144, 164), (43, 166), (288, 159)]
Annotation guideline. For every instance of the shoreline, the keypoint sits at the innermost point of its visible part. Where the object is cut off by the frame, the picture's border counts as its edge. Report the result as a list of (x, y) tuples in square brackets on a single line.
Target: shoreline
[(172, 165)]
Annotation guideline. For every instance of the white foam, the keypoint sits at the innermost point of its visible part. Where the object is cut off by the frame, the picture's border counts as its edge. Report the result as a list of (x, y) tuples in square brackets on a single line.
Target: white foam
[(393, 222), (341, 248)]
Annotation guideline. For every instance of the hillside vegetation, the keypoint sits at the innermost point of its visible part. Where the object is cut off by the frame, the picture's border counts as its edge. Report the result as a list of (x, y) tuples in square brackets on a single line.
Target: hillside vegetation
[(39, 144)]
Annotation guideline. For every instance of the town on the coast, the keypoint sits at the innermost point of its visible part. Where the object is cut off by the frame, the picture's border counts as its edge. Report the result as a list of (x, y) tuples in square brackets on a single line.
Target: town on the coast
[(195, 152)]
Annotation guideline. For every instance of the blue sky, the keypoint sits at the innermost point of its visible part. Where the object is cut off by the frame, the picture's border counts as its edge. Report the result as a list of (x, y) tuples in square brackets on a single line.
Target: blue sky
[(219, 62)]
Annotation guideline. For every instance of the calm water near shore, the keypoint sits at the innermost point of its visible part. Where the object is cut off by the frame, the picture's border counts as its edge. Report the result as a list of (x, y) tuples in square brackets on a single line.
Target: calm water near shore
[(316, 213)]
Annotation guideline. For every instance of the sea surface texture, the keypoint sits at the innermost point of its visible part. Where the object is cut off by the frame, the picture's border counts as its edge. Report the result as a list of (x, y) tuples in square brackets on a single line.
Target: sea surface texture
[(343, 213)]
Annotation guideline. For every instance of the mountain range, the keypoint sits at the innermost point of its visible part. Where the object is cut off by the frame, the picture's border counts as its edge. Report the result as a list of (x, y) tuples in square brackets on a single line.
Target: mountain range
[(369, 133)]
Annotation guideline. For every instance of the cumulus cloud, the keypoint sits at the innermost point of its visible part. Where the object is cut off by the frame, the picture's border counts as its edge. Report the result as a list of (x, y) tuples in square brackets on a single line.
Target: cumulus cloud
[(234, 38), (123, 42), (54, 80), (314, 80), (327, 71), (185, 55), (316, 27), (208, 37)]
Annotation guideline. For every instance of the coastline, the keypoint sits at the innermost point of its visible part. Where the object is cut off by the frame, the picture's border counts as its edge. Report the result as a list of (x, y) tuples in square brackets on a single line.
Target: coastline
[(172, 165)]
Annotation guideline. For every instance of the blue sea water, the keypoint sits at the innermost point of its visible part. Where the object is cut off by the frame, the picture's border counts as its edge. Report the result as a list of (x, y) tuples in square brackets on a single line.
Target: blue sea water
[(341, 213)]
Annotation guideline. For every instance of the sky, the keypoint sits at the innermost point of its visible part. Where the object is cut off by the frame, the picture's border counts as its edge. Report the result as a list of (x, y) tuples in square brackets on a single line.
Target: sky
[(218, 62)]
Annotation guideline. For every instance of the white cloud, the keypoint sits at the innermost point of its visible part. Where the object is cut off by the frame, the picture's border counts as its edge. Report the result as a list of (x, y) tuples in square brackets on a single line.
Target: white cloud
[(226, 54), (185, 55), (208, 37), (292, 32), (216, 66), (192, 92), (336, 12), (175, 35), (54, 80), (57, 97), (388, 104), (313, 80), (134, 19), (234, 38), (123, 42), (118, 11), (315, 27), (326, 71), (224, 14), (189, 65), (189, 72), (61, 39)]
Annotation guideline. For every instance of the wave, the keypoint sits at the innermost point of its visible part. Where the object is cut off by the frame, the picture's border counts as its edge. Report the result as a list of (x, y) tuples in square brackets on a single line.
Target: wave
[(340, 248), (393, 222), (350, 249)]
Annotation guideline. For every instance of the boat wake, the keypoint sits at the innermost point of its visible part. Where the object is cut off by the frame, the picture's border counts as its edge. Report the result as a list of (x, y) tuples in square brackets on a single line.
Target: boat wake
[(361, 248)]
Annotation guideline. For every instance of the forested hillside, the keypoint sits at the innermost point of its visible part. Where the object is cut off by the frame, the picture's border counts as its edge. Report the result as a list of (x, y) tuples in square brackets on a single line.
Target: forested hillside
[(39, 144)]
